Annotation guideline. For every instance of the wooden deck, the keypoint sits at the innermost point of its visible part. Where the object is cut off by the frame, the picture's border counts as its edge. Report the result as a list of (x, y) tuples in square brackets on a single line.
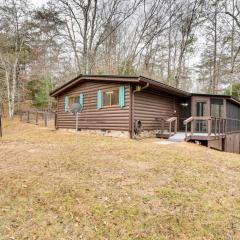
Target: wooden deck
[(204, 136), (218, 133), (180, 136)]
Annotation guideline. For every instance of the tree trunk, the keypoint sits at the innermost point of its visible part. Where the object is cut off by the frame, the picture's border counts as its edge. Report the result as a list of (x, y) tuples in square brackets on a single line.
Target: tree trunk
[(169, 44), (8, 93), (13, 90), (215, 51)]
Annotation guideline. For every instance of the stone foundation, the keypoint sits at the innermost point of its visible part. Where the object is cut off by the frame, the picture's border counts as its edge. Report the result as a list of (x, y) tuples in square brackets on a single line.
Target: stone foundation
[(112, 133), (107, 133), (148, 134)]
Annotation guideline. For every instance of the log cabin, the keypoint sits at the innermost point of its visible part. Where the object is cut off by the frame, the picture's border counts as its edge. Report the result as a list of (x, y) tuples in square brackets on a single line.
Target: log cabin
[(128, 106)]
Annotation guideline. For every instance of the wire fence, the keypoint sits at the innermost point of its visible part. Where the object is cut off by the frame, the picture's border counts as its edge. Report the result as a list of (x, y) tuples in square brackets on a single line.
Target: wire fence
[(38, 117)]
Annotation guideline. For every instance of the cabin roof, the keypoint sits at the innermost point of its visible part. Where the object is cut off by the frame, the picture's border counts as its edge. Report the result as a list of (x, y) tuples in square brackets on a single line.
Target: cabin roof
[(141, 80), (118, 78), (228, 97), (211, 95)]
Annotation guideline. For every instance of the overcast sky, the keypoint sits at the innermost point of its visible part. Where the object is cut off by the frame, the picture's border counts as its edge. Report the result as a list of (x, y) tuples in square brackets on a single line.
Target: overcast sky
[(39, 3)]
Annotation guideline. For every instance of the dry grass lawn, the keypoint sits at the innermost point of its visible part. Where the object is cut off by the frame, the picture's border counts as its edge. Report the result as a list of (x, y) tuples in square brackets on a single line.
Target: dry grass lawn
[(58, 185)]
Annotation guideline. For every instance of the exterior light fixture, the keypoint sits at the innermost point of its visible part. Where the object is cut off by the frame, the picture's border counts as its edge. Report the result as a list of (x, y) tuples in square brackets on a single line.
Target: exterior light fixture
[(184, 104)]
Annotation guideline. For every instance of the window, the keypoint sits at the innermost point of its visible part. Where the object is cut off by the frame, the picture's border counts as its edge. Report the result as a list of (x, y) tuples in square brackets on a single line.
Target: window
[(110, 98), (74, 99)]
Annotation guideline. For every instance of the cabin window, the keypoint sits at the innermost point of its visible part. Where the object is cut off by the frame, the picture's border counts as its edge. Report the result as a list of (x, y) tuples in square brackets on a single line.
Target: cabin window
[(73, 99), (110, 98)]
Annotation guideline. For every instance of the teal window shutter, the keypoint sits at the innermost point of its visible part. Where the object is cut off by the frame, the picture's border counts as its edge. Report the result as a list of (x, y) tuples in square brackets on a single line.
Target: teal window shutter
[(81, 100), (66, 103), (121, 96), (99, 99)]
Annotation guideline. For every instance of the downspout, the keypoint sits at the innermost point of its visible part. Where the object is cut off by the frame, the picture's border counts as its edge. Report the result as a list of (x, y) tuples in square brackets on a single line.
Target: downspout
[(138, 89)]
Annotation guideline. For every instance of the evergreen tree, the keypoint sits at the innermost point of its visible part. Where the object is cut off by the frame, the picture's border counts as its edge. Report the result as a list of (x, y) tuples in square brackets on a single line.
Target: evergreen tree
[(42, 99), (233, 90)]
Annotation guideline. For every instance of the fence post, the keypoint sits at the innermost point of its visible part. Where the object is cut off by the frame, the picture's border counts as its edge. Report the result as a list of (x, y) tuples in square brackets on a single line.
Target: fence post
[(45, 118), (36, 117), (55, 120), (28, 117), (0, 125), (21, 115)]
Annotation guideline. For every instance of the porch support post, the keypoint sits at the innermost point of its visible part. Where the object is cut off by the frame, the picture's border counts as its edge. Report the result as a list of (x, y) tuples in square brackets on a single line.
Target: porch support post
[(175, 126), (209, 126), (192, 127), (170, 129)]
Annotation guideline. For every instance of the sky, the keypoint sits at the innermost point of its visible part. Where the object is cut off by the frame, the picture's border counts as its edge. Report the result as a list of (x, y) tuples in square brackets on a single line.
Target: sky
[(38, 3)]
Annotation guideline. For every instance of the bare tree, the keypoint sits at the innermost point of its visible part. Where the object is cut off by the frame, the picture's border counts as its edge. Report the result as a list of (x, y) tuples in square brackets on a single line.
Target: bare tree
[(13, 35), (86, 23), (188, 21)]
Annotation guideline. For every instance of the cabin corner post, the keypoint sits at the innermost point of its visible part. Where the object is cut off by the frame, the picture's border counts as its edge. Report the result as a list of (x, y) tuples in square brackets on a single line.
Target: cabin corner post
[(133, 91), (131, 111)]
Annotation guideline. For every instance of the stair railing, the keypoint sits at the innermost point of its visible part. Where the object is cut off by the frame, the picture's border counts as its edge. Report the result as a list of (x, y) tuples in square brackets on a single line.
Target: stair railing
[(186, 122), (171, 121)]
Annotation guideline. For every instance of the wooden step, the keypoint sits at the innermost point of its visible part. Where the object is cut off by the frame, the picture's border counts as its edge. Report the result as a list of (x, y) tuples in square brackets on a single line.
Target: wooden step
[(162, 135)]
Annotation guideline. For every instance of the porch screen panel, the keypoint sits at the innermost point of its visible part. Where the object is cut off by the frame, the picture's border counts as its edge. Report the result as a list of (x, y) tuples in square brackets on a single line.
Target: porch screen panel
[(201, 125), (201, 109), (233, 117), (217, 108)]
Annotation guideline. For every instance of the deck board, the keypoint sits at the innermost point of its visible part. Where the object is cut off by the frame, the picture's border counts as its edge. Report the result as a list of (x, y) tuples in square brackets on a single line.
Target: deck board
[(180, 136)]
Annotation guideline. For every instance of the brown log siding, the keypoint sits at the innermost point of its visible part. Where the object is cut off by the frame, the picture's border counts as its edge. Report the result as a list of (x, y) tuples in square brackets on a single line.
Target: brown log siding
[(109, 118), (150, 106)]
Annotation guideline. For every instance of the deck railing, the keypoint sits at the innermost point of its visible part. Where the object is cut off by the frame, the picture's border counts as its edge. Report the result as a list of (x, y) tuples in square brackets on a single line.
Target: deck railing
[(207, 126), (210, 126)]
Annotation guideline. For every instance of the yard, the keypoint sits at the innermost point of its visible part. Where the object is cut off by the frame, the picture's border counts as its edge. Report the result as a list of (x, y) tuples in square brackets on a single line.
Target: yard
[(59, 185)]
